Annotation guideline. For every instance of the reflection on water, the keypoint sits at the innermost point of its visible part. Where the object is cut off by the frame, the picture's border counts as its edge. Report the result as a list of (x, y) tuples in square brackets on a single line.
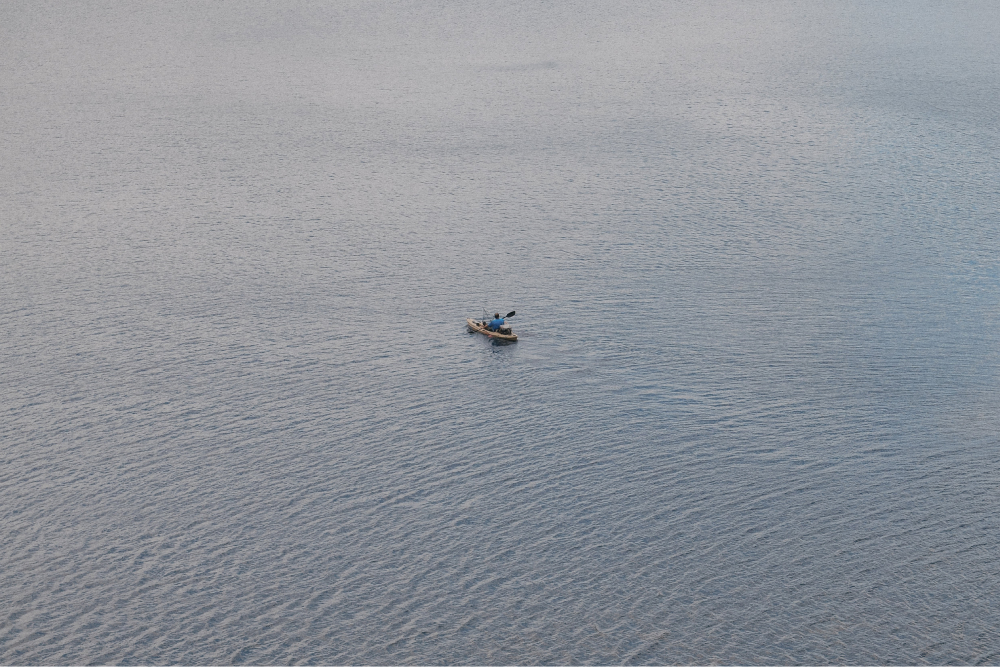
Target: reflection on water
[(751, 416)]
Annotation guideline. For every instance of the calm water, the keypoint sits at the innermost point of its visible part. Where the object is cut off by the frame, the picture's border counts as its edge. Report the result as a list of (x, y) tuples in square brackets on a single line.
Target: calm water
[(753, 416)]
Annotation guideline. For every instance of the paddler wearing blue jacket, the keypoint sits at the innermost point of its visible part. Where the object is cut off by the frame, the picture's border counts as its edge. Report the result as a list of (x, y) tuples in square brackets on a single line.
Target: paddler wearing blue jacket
[(496, 323)]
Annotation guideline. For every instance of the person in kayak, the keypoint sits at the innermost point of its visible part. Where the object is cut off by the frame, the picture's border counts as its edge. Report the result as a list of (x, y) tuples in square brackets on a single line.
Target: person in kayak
[(496, 323)]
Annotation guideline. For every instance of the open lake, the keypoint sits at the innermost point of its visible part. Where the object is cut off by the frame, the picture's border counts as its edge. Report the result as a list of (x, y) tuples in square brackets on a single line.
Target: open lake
[(753, 415)]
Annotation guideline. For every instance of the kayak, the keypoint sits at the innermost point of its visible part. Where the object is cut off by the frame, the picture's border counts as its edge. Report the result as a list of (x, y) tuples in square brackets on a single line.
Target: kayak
[(479, 326)]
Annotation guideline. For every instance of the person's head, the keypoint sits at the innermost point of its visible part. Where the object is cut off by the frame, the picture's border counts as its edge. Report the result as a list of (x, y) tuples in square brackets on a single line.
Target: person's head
[(496, 315)]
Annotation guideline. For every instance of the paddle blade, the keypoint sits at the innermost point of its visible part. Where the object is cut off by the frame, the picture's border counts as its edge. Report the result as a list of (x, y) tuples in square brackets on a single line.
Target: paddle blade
[(510, 314)]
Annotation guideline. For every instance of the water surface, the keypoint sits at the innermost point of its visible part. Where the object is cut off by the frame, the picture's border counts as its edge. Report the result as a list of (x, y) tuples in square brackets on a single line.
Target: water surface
[(752, 416)]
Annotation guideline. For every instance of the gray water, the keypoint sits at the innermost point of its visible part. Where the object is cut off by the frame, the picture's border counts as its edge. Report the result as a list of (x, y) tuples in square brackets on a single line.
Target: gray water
[(753, 415)]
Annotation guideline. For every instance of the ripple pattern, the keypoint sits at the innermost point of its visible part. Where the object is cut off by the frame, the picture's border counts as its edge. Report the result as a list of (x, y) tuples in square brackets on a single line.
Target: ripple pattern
[(752, 416)]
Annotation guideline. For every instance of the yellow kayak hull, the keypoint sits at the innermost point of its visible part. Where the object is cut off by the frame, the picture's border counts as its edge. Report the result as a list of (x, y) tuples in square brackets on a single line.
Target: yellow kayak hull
[(478, 327)]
